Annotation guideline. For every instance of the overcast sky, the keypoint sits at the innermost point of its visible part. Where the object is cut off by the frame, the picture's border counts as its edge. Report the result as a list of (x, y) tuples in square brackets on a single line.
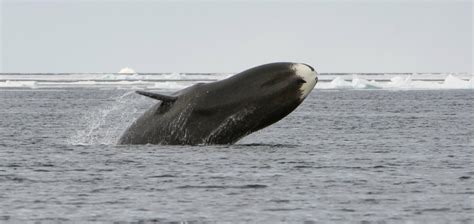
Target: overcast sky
[(223, 36)]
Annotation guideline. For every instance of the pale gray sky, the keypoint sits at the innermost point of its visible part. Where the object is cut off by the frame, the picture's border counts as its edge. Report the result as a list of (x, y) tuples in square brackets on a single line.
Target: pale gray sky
[(223, 36)]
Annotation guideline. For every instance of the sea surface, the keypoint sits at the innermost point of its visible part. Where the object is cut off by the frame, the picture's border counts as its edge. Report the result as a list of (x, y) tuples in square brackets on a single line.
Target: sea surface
[(342, 156)]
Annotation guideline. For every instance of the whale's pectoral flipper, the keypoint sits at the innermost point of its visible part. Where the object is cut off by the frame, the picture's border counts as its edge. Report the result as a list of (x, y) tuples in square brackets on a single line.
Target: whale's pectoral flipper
[(158, 96)]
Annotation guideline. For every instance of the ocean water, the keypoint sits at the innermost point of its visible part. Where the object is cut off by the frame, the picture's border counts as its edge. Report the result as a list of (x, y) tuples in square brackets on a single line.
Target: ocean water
[(343, 156)]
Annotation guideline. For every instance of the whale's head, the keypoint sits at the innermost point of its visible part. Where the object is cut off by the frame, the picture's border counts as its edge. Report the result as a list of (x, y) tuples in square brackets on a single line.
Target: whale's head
[(307, 78), (267, 92), (285, 82)]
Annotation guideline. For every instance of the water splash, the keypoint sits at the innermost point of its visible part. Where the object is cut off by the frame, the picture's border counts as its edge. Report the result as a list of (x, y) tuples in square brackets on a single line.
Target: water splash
[(105, 125)]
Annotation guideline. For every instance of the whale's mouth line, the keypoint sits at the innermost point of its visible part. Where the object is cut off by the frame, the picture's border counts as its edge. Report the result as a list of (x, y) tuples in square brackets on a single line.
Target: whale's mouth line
[(310, 67)]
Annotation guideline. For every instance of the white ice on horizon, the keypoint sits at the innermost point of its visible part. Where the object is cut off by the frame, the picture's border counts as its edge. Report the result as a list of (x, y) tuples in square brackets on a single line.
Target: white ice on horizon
[(453, 82), (398, 83), (18, 84), (182, 80), (358, 83), (338, 83), (127, 70)]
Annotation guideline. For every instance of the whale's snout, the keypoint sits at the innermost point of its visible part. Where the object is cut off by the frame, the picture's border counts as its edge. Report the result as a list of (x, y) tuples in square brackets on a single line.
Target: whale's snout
[(309, 75), (310, 67)]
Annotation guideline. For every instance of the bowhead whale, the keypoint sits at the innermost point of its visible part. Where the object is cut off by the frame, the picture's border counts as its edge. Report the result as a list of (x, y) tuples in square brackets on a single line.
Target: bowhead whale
[(224, 111)]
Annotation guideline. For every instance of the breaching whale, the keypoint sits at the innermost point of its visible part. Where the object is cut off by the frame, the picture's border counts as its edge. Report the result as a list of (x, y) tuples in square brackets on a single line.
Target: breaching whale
[(224, 111)]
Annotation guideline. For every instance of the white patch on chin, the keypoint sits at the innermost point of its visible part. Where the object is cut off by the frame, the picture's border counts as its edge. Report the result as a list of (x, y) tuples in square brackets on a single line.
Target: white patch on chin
[(304, 72)]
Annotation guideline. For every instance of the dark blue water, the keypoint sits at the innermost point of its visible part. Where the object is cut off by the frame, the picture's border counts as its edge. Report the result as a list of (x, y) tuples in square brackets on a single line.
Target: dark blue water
[(342, 156)]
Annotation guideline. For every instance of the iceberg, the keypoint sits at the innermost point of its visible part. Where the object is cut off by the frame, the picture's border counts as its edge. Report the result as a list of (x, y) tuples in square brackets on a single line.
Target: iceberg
[(358, 83), (399, 82), (452, 82), (127, 70), (339, 83)]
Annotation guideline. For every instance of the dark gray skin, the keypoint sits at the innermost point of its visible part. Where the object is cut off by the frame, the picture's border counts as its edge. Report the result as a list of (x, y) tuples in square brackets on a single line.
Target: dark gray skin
[(220, 112)]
